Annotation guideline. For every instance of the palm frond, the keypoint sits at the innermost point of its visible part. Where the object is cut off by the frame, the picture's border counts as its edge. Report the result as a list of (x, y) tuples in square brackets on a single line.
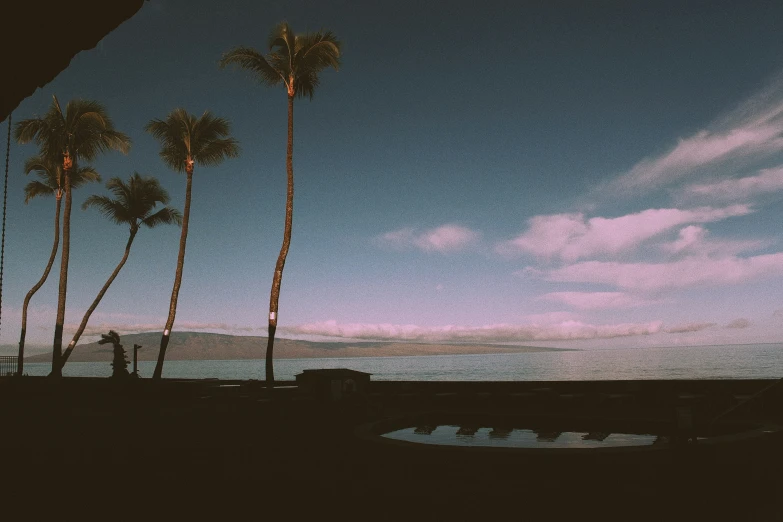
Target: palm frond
[(173, 133), (214, 152), (253, 61), (300, 57), (83, 175), (35, 189), (164, 216), (317, 51), (209, 127), (282, 37), (27, 130), (306, 85), (111, 209), (134, 201), (84, 130), (206, 139)]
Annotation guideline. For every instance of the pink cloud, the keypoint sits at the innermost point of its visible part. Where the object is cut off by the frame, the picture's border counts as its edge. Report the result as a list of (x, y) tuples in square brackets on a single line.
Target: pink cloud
[(567, 330), (571, 236), (596, 300), (766, 181), (690, 271), (443, 239), (693, 240)]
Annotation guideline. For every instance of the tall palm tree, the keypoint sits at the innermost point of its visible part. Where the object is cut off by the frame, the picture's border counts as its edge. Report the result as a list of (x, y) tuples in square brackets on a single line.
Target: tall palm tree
[(82, 131), (133, 205), (187, 140), (295, 62), (49, 183)]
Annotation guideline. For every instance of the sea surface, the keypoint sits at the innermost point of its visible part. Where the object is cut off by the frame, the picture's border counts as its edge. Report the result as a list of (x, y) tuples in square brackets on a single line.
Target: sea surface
[(749, 361)]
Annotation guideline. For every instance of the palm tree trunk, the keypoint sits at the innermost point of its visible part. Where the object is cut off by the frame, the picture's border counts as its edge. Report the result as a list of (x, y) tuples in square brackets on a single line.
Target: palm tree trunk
[(164, 340), (278, 277), (58, 327), (97, 300), (40, 283)]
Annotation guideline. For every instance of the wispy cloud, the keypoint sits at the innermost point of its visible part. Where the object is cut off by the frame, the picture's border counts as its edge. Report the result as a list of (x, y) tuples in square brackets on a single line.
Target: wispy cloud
[(442, 239), (752, 132), (567, 330), (688, 327), (739, 323), (736, 189), (572, 236), (597, 300), (690, 271)]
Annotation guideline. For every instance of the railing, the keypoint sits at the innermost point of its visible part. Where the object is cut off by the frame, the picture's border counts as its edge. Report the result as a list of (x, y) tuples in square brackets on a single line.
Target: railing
[(9, 365)]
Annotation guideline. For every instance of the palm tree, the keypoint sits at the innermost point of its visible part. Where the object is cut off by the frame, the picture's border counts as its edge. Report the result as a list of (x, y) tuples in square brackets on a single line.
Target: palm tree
[(133, 205), (83, 131), (187, 140), (295, 62), (49, 183)]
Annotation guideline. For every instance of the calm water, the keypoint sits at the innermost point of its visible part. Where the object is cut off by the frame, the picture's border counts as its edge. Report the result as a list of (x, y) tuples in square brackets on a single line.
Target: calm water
[(752, 361)]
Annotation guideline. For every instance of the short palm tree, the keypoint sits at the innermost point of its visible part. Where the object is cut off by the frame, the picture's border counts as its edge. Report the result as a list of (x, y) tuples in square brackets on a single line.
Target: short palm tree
[(133, 205), (49, 183), (187, 140), (81, 132), (295, 62)]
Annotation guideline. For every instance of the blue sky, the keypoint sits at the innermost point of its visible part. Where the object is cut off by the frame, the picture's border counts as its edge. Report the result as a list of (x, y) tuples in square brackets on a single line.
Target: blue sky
[(552, 173)]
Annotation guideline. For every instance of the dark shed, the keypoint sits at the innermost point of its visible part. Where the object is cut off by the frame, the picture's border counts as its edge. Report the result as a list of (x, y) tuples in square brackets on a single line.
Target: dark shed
[(334, 384)]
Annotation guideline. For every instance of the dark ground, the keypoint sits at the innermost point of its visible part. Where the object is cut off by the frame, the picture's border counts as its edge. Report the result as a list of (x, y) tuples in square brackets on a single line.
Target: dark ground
[(185, 448)]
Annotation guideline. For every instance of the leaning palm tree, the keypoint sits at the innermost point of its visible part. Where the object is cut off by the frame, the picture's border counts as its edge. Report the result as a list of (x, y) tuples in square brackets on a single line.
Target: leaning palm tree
[(295, 62), (82, 131), (133, 205), (49, 183), (187, 140)]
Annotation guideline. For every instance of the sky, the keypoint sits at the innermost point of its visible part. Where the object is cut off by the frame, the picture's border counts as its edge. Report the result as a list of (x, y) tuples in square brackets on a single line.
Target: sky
[(566, 174)]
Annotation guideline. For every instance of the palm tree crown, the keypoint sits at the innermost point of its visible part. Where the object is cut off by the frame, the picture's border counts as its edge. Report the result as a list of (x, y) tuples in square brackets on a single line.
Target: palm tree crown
[(293, 60), (134, 202), (84, 130), (186, 139), (50, 177)]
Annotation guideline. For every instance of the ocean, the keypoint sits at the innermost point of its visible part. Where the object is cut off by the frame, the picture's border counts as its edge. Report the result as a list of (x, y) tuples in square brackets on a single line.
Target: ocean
[(748, 361)]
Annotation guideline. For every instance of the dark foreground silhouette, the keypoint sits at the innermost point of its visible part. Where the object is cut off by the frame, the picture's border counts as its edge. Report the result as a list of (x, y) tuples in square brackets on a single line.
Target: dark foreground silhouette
[(176, 446)]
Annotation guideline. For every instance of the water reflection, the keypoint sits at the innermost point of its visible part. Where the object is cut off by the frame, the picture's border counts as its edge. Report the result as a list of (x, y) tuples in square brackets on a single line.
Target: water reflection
[(467, 430), (598, 436), (503, 436), (547, 435), (500, 433)]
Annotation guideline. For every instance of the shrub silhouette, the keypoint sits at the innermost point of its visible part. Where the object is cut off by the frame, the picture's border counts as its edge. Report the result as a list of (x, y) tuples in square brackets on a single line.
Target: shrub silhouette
[(120, 362)]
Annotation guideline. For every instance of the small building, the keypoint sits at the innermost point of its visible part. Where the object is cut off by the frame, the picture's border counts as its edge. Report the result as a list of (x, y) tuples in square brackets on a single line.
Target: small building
[(333, 384)]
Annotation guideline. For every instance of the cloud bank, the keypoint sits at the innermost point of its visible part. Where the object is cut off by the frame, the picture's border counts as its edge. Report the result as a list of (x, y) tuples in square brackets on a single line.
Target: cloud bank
[(567, 330)]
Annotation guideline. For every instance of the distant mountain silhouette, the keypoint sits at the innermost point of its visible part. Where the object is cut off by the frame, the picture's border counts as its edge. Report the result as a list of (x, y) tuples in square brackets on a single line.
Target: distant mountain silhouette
[(198, 346)]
